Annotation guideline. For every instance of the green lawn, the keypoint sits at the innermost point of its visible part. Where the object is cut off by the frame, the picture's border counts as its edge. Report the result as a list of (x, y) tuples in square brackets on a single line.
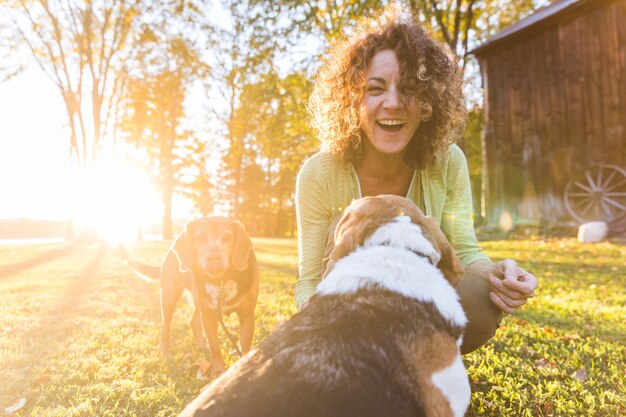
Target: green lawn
[(78, 332)]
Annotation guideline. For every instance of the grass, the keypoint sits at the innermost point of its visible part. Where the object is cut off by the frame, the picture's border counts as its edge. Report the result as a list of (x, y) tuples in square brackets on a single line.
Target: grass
[(78, 333)]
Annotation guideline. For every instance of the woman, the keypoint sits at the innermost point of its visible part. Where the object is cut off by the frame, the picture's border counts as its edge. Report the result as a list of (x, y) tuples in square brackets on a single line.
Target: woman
[(388, 106)]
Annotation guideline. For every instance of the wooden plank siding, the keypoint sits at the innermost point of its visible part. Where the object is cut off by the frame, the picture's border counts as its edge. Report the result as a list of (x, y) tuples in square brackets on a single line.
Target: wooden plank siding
[(555, 102)]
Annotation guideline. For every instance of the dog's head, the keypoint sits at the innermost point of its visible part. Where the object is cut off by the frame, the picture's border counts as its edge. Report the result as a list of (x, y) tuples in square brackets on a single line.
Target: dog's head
[(213, 244), (362, 219)]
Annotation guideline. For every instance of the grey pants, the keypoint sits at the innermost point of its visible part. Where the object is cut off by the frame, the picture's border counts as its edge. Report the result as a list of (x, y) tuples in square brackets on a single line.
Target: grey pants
[(483, 316)]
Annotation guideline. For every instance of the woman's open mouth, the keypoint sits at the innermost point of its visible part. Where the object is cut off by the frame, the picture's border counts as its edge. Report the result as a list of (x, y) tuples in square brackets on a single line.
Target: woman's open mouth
[(391, 125)]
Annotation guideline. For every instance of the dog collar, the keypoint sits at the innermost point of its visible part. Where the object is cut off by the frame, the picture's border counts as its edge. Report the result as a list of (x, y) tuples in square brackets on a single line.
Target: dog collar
[(413, 251), (421, 255)]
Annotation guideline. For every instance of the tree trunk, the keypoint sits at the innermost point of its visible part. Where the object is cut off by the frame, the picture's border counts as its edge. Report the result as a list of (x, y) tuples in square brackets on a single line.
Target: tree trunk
[(237, 184), (168, 232), (280, 220)]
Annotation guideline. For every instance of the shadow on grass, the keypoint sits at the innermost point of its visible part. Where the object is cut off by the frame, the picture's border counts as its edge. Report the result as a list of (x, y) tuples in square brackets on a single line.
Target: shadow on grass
[(81, 284), (48, 256), (55, 322)]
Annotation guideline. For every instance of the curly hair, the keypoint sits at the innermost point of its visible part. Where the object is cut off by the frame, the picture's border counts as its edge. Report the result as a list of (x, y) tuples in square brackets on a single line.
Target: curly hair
[(429, 69)]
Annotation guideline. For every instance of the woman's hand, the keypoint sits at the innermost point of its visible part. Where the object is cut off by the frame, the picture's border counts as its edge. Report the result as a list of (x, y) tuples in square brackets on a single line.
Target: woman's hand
[(512, 286)]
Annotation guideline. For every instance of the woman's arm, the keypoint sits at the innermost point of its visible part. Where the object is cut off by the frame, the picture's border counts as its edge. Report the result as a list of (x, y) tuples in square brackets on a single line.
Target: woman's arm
[(511, 285), (457, 218), (313, 215)]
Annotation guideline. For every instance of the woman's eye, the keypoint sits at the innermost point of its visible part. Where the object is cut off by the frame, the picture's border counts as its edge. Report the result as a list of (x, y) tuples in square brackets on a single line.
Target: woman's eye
[(375, 90)]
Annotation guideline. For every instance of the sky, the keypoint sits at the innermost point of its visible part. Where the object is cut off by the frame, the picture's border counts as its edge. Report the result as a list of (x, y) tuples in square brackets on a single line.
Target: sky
[(34, 160), (35, 174)]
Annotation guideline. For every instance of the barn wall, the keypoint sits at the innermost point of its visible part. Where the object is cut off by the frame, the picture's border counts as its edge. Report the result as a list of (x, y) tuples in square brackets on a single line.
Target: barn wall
[(555, 102)]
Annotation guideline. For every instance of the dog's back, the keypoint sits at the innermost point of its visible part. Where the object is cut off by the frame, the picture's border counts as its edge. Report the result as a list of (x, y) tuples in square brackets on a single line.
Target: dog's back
[(338, 358), (370, 352)]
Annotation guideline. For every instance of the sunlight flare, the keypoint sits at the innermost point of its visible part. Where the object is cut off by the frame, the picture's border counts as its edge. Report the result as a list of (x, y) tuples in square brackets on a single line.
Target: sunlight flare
[(116, 201)]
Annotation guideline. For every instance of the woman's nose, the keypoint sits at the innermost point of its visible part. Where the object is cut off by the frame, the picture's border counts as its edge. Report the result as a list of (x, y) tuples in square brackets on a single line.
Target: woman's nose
[(393, 99)]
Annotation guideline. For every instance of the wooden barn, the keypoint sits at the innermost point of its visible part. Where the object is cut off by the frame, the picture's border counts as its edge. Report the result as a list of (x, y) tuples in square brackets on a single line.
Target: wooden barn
[(555, 116)]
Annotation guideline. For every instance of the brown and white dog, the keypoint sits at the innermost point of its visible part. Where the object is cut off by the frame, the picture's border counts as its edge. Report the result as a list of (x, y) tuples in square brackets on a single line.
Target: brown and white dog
[(380, 337), (212, 257)]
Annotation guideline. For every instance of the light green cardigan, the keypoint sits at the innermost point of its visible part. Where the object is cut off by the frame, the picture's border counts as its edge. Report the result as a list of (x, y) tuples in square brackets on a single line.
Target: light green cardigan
[(326, 186)]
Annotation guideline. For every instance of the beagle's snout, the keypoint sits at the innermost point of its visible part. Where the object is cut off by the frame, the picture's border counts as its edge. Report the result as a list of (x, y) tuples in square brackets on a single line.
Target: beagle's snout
[(214, 265)]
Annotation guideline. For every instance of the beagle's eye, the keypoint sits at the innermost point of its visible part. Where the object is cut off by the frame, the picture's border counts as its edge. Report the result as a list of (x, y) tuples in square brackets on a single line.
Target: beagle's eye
[(227, 238), (202, 238)]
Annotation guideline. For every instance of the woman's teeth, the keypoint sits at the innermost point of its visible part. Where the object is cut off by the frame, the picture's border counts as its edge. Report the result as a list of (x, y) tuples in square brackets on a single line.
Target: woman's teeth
[(391, 125), (390, 122)]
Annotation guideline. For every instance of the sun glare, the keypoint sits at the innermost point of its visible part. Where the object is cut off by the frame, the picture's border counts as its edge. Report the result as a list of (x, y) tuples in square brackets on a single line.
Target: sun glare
[(118, 202)]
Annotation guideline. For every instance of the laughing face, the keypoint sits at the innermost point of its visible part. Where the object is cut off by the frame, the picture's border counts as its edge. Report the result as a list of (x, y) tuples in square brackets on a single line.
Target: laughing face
[(389, 114)]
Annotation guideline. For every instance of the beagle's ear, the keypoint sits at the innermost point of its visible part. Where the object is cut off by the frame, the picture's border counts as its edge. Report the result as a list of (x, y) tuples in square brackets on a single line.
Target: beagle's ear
[(352, 230), (329, 246), (449, 264), (242, 246), (183, 249)]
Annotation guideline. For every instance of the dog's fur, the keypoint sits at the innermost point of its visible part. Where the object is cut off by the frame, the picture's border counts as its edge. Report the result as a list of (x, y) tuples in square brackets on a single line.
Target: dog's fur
[(213, 258), (380, 337)]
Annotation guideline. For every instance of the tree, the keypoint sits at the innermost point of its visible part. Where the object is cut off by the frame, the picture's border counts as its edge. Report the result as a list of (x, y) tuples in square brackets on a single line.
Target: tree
[(305, 28), (244, 49), (464, 24), (272, 114), (195, 176), (154, 97), (81, 47), (92, 51)]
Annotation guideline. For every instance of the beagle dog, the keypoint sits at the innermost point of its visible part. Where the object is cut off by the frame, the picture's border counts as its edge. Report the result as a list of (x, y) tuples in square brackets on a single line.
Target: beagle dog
[(381, 336), (212, 257)]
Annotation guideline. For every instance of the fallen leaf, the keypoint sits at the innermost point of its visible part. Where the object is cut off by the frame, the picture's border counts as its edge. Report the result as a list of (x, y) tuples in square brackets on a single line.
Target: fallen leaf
[(528, 352), (547, 406), (479, 383), (574, 336), (44, 378), (12, 409), (581, 375), (544, 363), (486, 403)]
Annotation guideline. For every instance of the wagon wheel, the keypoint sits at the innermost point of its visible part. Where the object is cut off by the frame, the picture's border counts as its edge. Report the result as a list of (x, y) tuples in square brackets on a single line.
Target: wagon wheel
[(599, 193)]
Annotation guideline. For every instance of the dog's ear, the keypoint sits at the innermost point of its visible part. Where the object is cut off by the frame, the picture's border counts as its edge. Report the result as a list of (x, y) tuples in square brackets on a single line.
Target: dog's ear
[(351, 231), (242, 246), (449, 264), (183, 249), (329, 246)]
